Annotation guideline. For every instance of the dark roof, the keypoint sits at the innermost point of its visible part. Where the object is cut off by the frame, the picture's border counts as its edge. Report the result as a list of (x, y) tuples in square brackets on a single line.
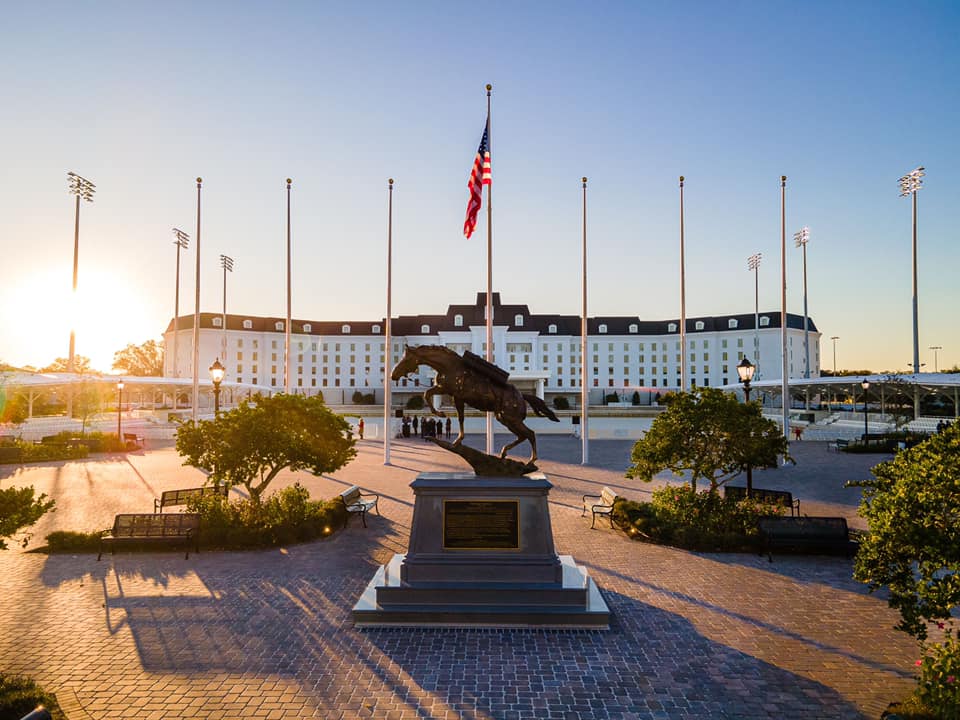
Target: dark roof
[(503, 315)]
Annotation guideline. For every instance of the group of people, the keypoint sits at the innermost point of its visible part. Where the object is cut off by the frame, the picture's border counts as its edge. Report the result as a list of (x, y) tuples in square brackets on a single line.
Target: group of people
[(427, 427), (943, 425)]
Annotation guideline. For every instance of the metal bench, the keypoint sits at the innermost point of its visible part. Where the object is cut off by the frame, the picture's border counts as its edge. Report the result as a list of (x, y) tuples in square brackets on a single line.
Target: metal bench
[(840, 444), (134, 438), (773, 497), (812, 535), (604, 507), (353, 501), (170, 498), (178, 528)]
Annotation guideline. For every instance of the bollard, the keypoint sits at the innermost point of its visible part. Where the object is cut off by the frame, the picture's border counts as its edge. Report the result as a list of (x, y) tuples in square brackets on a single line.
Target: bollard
[(41, 713)]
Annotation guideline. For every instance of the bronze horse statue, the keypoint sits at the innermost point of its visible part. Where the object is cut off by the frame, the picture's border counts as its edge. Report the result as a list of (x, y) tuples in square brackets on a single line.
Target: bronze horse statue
[(471, 380)]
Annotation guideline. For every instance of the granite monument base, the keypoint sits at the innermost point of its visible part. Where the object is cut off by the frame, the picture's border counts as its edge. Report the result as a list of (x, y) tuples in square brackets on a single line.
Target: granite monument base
[(481, 554)]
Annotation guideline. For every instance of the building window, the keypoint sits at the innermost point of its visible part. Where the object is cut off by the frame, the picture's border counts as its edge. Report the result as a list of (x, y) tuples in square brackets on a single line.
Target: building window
[(552, 329), (671, 327), (764, 321), (458, 320), (247, 324), (218, 322), (425, 329), (278, 326), (732, 324), (698, 325), (308, 328), (633, 328), (375, 329), (518, 320), (602, 329), (345, 329)]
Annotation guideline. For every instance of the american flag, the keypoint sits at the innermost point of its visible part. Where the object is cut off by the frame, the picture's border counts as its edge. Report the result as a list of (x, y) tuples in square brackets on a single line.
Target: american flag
[(479, 176)]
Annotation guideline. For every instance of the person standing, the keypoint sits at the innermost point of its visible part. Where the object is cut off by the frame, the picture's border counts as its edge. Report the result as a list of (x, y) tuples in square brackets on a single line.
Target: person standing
[(360, 428), (416, 425), (449, 425)]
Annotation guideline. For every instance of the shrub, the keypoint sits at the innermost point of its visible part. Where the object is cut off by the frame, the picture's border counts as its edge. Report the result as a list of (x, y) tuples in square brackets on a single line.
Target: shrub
[(415, 403), (360, 398), (44, 453), (696, 521), (635, 400), (561, 403), (66, 541), (284, 517), (611, 398), (939, 684), (19, 696)]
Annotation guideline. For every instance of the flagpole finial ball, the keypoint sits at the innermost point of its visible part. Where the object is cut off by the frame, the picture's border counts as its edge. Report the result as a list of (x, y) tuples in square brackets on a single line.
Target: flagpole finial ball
[(390, 181), (489, 87), (289, 181), (681, 178), (583, 179), (783, 178)]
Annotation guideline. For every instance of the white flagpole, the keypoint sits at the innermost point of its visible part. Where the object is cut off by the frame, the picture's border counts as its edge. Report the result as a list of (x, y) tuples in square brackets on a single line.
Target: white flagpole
[(196, 318), (683, 302), (286, 327), (785, 383), (387, 349), (584, 390), (489, 353)]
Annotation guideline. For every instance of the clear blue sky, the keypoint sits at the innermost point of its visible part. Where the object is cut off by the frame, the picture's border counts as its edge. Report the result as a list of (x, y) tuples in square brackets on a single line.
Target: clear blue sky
[(141, 98)]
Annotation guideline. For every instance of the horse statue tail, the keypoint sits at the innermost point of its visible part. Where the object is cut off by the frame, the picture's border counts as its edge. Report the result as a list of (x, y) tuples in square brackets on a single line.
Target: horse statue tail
[(540, 407)]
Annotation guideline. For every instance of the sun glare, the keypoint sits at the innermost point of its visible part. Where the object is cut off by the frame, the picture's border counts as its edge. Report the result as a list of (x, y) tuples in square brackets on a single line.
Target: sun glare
[(106, 317)]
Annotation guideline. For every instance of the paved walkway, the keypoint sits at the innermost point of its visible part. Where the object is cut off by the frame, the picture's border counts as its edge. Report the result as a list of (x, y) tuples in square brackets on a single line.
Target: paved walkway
[(267, 634)]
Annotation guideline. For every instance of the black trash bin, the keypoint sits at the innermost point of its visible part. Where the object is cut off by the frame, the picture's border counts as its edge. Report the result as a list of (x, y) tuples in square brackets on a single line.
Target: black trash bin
[(41, 713)]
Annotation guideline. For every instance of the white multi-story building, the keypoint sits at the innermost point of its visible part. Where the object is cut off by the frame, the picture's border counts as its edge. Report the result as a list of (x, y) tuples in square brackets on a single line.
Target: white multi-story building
[(624, 354)]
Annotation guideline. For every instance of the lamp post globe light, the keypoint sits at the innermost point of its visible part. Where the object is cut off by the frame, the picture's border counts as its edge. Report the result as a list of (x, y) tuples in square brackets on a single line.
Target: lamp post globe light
[(866, 386), (745, 370), (217, 372), (119, 406)]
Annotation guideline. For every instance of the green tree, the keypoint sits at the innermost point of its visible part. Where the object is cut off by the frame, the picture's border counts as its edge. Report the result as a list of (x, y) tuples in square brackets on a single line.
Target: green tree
[(913, 547), (88, 399), (14, 407), (252, 443), (710, 434), (81, 365), (144, 360), (19, 508)]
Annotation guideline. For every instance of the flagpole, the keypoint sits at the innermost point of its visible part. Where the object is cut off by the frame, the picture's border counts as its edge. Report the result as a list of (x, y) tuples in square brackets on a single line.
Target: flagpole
[(196, 317), (489, 353), (785, 383), (584, 391), (683, 301), (286, 327), (387, 349)]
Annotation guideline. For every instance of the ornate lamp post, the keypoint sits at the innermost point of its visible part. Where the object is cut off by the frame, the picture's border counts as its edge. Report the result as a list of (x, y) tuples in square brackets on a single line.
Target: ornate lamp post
[(217, 372), (119, 406), (866, 386), (745, 370)]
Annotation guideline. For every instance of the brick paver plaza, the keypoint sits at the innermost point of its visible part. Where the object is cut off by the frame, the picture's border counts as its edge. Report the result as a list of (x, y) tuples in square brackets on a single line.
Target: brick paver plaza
[(268, 634)]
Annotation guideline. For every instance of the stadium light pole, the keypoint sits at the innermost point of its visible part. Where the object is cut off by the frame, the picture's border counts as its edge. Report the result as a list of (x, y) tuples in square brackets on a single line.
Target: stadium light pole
[(182, 241), (753, 263), (909, 184), (226, 262), (936, 364), (83, 189), (801, 239)]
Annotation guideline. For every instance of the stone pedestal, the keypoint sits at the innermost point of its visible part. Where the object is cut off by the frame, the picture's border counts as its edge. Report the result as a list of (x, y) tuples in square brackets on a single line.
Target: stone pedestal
[(481, 555)]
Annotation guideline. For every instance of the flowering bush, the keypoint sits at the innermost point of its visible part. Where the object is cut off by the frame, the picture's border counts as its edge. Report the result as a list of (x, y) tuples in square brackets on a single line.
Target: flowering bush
[(939, 683)]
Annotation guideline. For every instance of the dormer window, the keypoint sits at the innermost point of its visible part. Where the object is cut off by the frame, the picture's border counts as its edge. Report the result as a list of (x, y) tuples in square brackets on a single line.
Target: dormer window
[(602, 329), (633, 328), (764, 321), (518, 320), (345, 329), (218, 322), (375, 330), (732, 324), (248, 324), (458, 320), (279, 327), (671, 327), (308, 328), (552, 329), (698, 325), (425, 329)]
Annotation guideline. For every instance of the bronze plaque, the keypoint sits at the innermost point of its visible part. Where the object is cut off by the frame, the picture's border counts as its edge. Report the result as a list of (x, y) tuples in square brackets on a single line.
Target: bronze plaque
[(481, 524)]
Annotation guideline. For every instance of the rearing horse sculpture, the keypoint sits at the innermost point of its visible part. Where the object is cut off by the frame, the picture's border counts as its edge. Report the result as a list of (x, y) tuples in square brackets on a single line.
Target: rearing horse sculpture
[(472, 381)]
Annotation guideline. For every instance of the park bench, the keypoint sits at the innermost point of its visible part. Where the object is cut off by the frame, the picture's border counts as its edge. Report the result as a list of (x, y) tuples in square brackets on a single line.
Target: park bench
[(353, 501), (170, 498), (774, 497), (604, 507), (840, 444), (813, 535), (133, 438), (178, 528)]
